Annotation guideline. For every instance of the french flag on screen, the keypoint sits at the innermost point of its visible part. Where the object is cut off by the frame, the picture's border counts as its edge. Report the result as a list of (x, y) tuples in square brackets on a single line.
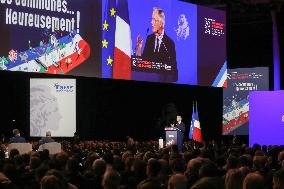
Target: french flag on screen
[(122, 49), (221, 79)]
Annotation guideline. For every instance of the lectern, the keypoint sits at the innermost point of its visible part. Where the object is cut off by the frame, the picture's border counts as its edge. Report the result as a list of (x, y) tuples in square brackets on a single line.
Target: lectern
[(173, 136)]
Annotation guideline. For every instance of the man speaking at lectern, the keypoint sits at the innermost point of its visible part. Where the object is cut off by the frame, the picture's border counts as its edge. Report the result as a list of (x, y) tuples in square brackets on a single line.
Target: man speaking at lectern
[(159, 47), (180, 125)]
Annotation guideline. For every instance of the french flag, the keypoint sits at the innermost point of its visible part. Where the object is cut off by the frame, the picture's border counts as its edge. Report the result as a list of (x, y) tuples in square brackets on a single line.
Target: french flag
[(221, 79), (197, 134), (190, 135), (122, 50)]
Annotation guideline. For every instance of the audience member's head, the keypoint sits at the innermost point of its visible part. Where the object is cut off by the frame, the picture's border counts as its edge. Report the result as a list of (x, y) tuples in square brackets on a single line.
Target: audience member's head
[(208, 169), (233, 179), (129, 162), (208, 183), (10, 171), (126, 155), (48, 133), (99, 167), (193, 166), (245, 161), (72, 166), (177, 166), (111, 179), (177, 181), (139, 169), (108, 157), (50, 182), (61, 159), (278, 179), (16, 132), (34, 163), (281, 157), (153, 168), (232, 162), (165, 169), (253, 181), (13, 153), (259, 162)]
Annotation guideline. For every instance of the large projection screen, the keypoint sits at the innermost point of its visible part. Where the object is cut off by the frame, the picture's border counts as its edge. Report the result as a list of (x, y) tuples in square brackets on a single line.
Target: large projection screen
[(163, 41), (52, 107), (53, 37), (235, 97), (266, 118)]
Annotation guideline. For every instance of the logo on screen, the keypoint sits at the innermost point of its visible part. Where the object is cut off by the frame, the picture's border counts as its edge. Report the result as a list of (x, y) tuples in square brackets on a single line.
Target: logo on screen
[(283, 118), (63, 88)]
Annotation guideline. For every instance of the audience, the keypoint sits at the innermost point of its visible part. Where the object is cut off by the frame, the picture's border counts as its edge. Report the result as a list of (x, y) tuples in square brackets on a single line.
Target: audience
[(142, 165)]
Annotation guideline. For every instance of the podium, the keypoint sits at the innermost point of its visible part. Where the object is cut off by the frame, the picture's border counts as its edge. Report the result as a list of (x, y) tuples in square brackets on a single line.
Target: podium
[(173, 136)]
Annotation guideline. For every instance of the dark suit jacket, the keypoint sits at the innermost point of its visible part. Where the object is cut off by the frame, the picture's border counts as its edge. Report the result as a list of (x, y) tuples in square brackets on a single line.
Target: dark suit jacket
[(44, 140), (166, 55), (17, 139), (181, 127)]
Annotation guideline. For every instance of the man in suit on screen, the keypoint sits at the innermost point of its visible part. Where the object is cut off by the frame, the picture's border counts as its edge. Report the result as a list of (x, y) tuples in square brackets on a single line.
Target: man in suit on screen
[(159, 47)]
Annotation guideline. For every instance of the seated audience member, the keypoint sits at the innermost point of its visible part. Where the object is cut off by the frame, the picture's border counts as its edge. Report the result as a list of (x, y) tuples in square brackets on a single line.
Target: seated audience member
[(177, 181), (253, 181), (281, 158), (278, 179), (99, 167), (60, 180), (111, 179), (76, 138), (17, 137), (152, 170), (6, 183), (233, 179), (192, 171), (208, 183), (46, 139), (50, 182)]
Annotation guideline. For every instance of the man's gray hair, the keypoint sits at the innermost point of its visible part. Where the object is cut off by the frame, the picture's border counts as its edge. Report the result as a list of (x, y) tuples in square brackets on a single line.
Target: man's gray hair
[(161, 14), (48, 133)]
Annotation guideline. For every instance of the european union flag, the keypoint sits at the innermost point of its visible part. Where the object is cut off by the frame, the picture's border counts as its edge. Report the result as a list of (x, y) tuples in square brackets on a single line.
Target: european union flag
[(190, 136), (108, 37)]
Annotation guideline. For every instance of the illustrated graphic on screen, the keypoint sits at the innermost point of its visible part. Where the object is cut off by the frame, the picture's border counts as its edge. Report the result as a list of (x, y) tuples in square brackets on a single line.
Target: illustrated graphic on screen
[(53, 37), (44, 111), (235, 98), (59, 55)]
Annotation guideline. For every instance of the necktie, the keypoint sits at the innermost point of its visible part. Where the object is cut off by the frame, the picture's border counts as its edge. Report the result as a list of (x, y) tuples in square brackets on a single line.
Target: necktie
[(156, 44)]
